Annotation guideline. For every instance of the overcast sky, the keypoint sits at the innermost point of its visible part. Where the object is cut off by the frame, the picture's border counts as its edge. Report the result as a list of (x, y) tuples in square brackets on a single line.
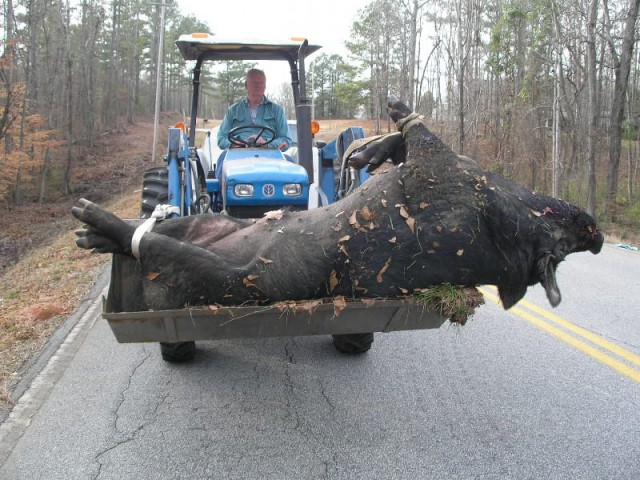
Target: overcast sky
[(326, 23)]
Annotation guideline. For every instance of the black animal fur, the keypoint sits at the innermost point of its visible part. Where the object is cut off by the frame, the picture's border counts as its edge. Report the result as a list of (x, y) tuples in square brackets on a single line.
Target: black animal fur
[(433, 218)]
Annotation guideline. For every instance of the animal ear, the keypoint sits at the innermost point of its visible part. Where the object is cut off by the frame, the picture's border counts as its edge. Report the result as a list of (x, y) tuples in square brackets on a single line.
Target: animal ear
[(547, 273)]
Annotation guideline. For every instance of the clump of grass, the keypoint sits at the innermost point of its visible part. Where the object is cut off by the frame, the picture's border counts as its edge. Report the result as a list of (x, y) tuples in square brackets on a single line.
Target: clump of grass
[(11, 294), (452, 301)]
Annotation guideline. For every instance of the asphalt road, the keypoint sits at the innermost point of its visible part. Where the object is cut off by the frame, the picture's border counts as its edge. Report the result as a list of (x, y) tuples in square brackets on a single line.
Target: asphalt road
[(529, 393)]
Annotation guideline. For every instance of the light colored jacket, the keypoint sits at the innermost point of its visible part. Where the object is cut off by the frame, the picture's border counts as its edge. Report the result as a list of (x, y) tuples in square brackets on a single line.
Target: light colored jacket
[(269, 114)]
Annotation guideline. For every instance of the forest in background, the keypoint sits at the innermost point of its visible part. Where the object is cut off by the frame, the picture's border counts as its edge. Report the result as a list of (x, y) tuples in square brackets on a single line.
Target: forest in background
[(543, 91)]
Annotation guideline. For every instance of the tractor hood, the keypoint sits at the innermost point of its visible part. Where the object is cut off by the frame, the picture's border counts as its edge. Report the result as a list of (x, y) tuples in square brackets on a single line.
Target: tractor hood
[(251, 170)]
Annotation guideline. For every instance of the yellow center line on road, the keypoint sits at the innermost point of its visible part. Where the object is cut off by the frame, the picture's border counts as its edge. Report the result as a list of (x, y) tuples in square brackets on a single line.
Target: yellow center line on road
[(592, 337), (593, 352)]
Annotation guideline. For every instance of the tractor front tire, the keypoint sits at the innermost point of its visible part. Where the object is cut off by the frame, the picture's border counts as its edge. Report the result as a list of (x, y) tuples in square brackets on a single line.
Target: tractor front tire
[(353, 343), (178, 352)]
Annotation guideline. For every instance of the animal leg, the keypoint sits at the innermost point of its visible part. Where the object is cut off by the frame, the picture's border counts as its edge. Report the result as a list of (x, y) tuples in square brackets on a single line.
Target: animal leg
[(103, 232)]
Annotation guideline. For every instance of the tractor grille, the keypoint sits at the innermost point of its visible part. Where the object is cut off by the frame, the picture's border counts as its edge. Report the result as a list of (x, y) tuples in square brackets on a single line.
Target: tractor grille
[(258, 211)]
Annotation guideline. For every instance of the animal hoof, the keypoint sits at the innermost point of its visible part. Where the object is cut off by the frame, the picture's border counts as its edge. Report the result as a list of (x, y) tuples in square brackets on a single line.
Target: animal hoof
[(397, 110)]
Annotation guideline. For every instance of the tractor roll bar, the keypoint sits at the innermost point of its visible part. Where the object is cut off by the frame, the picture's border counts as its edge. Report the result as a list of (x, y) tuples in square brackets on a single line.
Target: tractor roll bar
[(303, 116), (194, 101)]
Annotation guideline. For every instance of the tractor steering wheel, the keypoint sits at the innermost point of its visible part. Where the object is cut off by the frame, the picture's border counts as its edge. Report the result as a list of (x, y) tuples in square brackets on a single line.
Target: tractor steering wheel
[(235, 139)]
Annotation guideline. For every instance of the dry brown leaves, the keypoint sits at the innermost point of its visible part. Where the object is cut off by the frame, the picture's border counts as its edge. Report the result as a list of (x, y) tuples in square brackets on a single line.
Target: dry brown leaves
[(410, 221), (43, 288)]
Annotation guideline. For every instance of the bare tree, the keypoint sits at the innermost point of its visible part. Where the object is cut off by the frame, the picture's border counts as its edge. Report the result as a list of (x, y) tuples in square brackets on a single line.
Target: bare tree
[(284, 97), (622, 67), (7, 77), (593, 105)]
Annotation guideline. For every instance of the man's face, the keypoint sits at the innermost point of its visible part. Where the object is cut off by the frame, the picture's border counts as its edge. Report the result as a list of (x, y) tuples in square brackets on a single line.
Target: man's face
[(256, 85)]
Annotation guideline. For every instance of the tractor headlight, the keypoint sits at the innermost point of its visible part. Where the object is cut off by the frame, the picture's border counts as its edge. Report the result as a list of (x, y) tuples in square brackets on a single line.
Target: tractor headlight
[(243, 190), (292, 189)]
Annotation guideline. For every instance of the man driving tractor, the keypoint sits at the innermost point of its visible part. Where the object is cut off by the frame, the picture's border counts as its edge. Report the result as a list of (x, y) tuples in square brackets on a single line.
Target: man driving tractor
[(256, 109)]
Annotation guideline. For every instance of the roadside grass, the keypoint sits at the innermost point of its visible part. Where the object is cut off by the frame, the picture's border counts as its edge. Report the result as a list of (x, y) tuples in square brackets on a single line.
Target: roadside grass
[(42, 289)]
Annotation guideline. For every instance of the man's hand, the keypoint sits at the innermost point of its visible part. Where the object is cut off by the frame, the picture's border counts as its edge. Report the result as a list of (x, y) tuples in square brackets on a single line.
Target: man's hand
[(257, 140)]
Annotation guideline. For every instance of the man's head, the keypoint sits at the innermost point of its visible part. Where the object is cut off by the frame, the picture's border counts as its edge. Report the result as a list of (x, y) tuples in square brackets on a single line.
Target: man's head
[(256, 84)]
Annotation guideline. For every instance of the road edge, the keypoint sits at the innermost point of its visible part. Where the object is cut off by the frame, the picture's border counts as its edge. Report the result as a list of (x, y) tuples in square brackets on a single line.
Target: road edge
[(41, 372)]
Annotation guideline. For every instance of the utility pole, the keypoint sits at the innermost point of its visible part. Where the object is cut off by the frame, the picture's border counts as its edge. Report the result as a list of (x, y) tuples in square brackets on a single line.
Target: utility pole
[(156, 119)]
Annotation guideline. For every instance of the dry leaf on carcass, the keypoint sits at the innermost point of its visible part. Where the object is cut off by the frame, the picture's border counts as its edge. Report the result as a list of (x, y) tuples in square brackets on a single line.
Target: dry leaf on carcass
[(369, 302), (403, 210), (366, 213), (411, 223), (307, 306), (248, 280), (333, 280), (284, 305), (353, 219), (274, 215), (339, 304), (383, 269)]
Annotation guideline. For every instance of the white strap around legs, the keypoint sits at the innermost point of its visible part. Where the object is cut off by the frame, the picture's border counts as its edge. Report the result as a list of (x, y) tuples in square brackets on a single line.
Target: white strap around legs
[(160, 213)]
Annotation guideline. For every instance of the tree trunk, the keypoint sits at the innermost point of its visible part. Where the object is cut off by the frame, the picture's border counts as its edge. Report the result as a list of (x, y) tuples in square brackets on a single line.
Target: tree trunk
[(622, 69), (463, 42), (69, 109), (6, 117), (43, 176), (413, 43), (593, 106), (461, 139)]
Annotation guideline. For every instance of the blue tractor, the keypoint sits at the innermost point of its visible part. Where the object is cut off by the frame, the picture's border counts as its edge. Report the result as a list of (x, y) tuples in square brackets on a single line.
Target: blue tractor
[(248, 182)]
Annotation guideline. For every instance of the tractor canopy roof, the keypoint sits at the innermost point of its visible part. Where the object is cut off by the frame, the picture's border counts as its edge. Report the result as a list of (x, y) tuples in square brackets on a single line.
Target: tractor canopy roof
[(204, 46)]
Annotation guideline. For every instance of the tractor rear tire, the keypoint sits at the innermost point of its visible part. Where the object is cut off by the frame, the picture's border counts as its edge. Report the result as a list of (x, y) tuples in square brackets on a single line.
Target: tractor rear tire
[(155, 190), (178, 352), (353, 343)]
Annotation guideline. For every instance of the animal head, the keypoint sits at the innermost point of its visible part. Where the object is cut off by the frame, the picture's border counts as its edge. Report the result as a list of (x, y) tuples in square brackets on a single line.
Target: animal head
[(533, 233), (562, 231)]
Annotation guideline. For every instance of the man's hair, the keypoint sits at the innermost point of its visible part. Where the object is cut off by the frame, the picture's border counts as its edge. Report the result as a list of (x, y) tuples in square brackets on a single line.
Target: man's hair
[(252, 72)]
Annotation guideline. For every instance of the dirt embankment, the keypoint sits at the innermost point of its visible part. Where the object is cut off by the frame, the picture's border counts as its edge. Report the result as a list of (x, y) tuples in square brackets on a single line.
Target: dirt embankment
[(43, 276)]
